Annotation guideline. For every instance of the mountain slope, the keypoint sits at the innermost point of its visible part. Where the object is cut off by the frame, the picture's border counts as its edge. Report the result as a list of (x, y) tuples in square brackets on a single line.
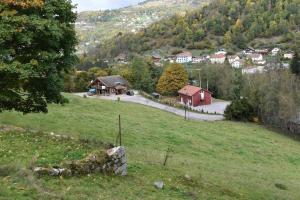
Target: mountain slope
[(233, 24), (95, 26)]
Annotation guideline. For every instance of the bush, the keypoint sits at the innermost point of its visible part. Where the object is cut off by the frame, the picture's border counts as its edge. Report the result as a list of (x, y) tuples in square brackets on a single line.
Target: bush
[(240, 110)]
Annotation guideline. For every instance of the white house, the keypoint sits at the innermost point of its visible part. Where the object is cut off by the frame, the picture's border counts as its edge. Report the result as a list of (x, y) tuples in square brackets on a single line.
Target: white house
[(248, 50), (255, 57), (253, 70), (288, 55), (184, 57), (198, 59), (286, 65), (237, 64), (232, 59), (217, 58), (275, 51), (261, 62), (262, 51)]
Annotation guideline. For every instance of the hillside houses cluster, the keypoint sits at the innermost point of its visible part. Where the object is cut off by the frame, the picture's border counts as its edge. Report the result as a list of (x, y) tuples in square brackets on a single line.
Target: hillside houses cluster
[(250, 60)]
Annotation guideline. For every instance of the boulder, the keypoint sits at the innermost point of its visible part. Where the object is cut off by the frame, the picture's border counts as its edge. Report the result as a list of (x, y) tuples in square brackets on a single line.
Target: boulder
[(159, 184)]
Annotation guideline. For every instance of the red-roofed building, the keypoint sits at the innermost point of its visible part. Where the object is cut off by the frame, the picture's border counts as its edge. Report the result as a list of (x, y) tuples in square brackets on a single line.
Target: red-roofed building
[(217, 58), (195, 96)]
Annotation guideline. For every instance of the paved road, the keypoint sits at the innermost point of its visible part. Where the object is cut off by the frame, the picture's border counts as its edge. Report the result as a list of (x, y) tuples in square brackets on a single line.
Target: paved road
[(217, 106), (142, 100)]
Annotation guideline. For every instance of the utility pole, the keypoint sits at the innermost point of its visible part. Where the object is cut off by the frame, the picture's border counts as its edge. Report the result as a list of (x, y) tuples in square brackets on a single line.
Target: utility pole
[(200, 78), (185, 105), (207, 85)]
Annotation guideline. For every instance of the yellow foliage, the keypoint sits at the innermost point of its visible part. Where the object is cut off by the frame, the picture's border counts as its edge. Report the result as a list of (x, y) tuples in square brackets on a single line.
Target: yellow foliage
[(173, 79), (24, 3), (238, 25)]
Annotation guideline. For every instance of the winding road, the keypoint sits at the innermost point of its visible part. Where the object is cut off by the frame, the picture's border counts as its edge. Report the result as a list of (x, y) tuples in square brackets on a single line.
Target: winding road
[(144, 101)]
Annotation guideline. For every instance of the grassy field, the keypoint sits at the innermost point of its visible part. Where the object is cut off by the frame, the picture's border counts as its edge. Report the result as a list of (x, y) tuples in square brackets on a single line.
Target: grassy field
[(225, 160)]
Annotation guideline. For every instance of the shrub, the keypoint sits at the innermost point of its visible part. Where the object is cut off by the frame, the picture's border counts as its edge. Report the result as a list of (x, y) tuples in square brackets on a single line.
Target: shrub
[(240, 110)]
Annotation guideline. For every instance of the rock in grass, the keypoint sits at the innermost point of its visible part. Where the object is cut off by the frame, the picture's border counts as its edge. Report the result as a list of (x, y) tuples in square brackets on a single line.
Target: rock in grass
[(281, 186), (159, 184), (187, 177)]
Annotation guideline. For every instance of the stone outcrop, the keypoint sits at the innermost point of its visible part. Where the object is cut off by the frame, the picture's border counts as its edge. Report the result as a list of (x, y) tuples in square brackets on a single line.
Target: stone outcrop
[(117, 162), (112, 161)]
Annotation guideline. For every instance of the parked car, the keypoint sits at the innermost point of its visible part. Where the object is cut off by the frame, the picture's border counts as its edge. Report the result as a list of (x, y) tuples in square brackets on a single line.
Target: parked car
[(130, 93), (91, 92), (156, 95)]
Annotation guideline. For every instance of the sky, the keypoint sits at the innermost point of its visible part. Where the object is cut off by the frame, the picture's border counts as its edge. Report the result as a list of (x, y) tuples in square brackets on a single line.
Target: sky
[(84, 5)]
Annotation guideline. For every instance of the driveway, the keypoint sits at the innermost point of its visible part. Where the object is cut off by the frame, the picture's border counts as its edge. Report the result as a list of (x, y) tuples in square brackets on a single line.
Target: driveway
[(144, 101), (217, 106)]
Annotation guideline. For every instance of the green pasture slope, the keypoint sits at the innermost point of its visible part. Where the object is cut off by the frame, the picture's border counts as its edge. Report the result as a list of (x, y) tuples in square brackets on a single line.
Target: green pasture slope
[(225, 160)]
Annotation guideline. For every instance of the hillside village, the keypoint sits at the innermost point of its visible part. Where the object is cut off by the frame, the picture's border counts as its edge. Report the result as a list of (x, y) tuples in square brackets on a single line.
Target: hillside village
[(250, 60)]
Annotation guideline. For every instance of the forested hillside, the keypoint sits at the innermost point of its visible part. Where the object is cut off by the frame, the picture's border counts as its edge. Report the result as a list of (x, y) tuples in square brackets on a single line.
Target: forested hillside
[(233, 24), (93, 27)]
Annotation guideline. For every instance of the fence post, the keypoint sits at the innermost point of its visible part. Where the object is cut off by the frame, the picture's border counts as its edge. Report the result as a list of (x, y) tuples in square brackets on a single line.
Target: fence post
[(120, 133)]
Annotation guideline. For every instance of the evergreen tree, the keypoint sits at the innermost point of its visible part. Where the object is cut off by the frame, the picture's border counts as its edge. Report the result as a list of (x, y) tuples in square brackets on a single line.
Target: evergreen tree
[(295, 65), (141, 75)]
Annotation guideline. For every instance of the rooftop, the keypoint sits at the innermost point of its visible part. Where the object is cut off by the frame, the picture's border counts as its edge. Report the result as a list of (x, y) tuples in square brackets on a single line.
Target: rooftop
[(112, 81), (217, 56), (189, 90), (185, 54)]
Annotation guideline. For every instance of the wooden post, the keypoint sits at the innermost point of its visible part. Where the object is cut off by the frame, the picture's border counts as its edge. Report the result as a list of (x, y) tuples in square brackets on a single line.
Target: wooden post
[(166, 157), (185, 105), (185, 111), (120, 133)]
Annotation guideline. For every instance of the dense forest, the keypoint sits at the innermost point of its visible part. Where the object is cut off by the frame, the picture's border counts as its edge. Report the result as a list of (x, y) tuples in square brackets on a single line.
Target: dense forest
[(232, 24)]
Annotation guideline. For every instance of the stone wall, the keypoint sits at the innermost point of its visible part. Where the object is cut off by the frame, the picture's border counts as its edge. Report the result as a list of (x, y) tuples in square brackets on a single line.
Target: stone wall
[(112, 161)]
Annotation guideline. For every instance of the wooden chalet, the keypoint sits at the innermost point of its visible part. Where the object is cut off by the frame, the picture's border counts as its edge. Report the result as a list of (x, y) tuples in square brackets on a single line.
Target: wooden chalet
[(108, 85)]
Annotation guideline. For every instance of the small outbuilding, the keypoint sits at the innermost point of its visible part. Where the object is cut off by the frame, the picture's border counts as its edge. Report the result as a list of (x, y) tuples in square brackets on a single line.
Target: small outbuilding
[(108, 85), (195, 96)]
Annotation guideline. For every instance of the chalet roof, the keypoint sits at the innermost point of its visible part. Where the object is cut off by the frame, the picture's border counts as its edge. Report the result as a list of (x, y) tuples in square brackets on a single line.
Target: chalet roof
[(217, 56), (156, 56), (121, 56), (185, 54), (262, 50), (112, 81), (233, 57), (289, 52), (189, 90), (254, 55)]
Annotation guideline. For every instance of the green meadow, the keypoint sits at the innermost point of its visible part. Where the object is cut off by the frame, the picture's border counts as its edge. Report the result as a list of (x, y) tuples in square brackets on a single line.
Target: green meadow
[(223, 160)]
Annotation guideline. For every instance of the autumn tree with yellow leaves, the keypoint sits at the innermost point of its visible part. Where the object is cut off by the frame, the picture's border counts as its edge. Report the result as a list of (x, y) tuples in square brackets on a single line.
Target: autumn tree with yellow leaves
[(24, 3), (173, 79)]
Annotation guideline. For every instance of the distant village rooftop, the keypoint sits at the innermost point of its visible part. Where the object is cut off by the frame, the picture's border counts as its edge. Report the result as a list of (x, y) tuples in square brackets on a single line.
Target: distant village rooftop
[(185, 54)]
